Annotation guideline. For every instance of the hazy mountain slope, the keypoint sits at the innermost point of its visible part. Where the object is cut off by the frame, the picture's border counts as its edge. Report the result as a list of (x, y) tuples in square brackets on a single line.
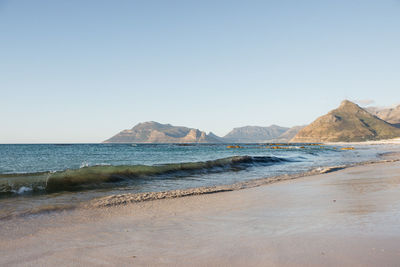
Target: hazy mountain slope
[(391, 115), (348, 123), (289, 134), (154, 132), (254, 134)]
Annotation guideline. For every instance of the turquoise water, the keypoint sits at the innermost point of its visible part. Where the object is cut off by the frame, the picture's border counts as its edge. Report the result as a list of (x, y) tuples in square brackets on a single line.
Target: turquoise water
[(56, 174)]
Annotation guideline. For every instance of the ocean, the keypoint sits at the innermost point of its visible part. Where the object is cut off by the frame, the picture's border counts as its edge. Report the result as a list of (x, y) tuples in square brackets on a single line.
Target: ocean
[(43, 177)]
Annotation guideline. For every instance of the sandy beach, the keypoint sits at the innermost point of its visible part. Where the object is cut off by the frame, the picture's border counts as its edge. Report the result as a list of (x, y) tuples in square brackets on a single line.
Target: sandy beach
[(349, 217)]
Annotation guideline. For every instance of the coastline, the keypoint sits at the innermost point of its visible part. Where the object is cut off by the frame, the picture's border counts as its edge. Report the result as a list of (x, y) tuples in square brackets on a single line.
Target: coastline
[(124, 199), (346, 217), (128, 198)]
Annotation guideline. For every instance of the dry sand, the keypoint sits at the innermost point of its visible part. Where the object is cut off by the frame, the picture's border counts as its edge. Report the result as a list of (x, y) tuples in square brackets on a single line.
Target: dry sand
[(346, 218), (394, 141)]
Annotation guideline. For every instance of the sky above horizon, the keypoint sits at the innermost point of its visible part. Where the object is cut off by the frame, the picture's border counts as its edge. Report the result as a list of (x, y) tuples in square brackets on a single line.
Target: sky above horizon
[(81, 71)]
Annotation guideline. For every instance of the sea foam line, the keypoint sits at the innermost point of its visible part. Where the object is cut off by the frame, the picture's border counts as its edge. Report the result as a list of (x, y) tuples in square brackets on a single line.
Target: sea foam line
[(123, 199)]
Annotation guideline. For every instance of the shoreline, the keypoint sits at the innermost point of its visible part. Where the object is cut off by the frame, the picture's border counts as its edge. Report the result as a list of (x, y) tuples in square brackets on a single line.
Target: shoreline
[(347, 217), (129, 198), (124, 199)]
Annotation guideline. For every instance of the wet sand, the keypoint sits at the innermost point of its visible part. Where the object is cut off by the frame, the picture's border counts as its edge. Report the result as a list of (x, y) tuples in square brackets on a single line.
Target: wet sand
[(346, 218)]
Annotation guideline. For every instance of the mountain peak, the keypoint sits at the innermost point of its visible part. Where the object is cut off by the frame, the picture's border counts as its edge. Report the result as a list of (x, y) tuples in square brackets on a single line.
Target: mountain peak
[(148, 123), (347, 123), (346, 104)]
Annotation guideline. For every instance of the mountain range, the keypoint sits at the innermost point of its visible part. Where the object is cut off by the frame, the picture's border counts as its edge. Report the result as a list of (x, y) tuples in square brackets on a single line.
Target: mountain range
[(391, 115), (154, 132), (347, 123)]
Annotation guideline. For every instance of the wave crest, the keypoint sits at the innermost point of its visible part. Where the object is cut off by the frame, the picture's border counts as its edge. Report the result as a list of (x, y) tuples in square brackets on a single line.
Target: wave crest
[(105, 175)]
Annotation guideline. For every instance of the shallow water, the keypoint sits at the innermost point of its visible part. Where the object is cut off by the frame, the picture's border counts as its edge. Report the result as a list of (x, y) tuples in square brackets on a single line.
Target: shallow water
[(55, 176)]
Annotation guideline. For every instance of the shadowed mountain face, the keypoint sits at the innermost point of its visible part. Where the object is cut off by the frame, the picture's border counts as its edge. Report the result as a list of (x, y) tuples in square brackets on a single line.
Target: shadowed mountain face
[(348, 123), (154, 132), (391, 115), (254, 134)]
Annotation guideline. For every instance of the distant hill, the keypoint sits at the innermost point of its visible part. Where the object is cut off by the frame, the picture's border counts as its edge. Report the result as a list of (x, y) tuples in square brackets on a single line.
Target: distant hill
[(254, 134), (348, 123), (289, 134), (154, 132), (391, 115)]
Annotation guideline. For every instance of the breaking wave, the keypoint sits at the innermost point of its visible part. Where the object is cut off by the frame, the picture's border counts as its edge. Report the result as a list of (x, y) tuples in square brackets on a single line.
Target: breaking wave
[(103, 176)]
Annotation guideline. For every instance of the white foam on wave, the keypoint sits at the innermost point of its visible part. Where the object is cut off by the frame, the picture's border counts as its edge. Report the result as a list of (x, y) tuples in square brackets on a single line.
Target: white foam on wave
[(84, 164), (23, 189)]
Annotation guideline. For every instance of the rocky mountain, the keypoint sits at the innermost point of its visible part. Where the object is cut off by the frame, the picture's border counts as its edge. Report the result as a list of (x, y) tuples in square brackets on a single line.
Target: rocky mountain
[(391, 115), (154, 132), (254, 134), (348, 123)]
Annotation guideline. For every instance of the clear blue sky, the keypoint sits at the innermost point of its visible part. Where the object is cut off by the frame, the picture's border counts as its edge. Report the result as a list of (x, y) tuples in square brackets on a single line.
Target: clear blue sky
[(80, 71)]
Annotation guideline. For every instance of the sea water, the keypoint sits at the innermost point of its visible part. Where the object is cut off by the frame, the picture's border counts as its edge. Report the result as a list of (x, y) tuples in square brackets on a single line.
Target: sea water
[(36, 176)]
